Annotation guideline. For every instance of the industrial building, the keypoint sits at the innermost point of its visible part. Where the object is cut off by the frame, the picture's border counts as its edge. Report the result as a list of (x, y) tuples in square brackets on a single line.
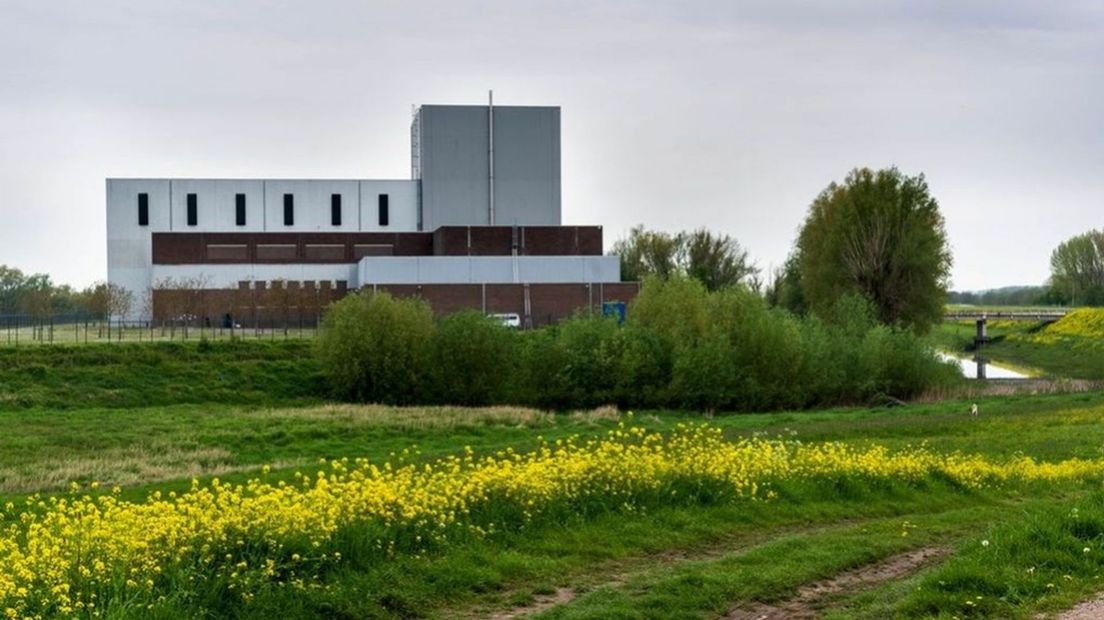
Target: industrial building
[(478, 225)]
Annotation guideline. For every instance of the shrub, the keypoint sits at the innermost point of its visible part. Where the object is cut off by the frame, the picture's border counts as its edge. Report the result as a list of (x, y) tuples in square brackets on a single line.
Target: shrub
[(675, 309), (642, 372), (374, 347), (541, 378), (589, 345), (906, 366), (705, 376), (683, 346), (471, 359)]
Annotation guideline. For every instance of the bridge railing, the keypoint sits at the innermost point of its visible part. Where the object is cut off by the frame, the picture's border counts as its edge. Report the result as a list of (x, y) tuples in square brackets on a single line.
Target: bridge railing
[(1050, 315)]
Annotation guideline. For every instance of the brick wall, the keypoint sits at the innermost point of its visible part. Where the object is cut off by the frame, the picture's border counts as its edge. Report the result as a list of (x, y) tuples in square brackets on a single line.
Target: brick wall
[(304, 302), (531, 240), (262, 248)]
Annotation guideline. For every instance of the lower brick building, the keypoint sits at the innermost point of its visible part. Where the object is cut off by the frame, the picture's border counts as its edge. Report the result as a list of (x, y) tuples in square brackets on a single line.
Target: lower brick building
[(542, 274)]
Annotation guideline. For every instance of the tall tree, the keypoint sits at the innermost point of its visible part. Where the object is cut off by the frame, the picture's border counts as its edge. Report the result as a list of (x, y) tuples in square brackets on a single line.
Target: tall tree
[(647, 253), (1077, 269), (784, 289), (715, 260), (13, 284), (879, 234)]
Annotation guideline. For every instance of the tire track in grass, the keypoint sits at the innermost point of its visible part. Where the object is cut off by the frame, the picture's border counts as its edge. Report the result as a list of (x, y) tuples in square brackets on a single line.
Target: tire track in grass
[(620, 571), (789, 573), (806, 605)]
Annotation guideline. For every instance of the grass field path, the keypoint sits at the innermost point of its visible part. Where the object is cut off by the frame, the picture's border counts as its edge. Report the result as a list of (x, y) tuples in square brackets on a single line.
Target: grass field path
[(812, 597), (794, 571)]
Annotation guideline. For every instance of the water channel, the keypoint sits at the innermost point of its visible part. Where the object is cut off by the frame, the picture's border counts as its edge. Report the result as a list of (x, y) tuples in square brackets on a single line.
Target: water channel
[(993, 370)]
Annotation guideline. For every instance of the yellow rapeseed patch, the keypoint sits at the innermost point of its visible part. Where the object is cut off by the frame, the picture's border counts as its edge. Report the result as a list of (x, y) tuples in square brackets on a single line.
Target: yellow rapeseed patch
[(77, 555), (1081, 327), (1082, 323)]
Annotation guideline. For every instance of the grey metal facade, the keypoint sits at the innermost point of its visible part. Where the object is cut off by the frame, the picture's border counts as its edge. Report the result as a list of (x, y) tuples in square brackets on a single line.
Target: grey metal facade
[(452, 148), (486, 269)]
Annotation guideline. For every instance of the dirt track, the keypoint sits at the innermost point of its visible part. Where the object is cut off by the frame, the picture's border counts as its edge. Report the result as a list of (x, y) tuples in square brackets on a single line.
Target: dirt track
[(806, 605)]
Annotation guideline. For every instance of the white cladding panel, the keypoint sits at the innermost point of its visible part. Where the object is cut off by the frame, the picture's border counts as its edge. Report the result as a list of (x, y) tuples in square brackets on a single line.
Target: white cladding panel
[(487, 269), (311, 205), (402, 206), (216, 202), (216, 205), (130, 247)]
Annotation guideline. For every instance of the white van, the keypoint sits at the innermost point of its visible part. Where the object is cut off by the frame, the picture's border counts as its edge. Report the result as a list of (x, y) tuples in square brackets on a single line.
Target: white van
[(509, 319)]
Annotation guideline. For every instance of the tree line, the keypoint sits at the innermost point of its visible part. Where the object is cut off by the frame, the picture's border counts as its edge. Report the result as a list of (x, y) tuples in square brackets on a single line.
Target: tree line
[(1076, 279), (841, 322), (878, 236), (1007, 296), (37, 296)]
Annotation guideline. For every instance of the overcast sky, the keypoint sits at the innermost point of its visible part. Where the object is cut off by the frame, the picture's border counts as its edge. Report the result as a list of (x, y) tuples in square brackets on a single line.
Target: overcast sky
[(730, 115)]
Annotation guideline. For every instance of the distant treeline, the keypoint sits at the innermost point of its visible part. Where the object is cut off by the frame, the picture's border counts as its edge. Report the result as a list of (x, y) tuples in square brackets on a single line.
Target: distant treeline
[(681, 347), (35, 295), (1008, 296)]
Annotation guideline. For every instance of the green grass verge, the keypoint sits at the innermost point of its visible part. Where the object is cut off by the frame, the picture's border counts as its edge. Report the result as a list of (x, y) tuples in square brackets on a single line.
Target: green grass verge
[(162, 374)]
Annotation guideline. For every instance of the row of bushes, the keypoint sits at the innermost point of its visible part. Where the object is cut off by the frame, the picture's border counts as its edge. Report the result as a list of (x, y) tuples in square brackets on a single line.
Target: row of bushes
[(681, 347)]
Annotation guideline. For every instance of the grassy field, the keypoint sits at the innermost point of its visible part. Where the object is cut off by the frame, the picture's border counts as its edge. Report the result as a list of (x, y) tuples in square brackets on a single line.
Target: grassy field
[(875, 534)]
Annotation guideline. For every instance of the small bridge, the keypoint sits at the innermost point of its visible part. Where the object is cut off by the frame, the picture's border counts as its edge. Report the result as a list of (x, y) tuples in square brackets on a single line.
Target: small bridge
[(982, 335), (1042, 316)]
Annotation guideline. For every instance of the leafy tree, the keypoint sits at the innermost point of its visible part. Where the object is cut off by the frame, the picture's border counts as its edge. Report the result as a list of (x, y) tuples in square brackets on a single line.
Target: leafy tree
[(878, 234), (13, 284), (106, 299), (1077, 269), (717, 261), (784, 290), (646, 252)]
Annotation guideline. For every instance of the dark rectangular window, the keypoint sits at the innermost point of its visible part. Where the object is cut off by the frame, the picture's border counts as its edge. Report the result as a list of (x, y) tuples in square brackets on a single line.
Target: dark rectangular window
[(193, 210), (384, 211), (143, 209), (335, 209), (239, 209), (289, 210)]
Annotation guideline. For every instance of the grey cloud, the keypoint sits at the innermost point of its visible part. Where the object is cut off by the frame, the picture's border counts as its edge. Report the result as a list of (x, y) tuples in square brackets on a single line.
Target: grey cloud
[(731, 115)]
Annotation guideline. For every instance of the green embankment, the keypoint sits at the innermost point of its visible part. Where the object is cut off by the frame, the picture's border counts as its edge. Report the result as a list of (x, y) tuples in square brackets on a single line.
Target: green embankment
[(142, 375)]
